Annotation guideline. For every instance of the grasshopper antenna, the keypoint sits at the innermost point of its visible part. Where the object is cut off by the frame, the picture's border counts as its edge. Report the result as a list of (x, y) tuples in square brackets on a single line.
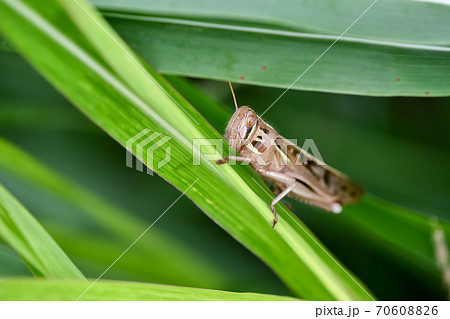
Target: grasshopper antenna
[(234, 97)]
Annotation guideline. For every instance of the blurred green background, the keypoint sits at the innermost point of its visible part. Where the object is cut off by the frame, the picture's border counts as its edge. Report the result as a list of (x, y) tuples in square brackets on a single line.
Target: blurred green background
[(398, 148)]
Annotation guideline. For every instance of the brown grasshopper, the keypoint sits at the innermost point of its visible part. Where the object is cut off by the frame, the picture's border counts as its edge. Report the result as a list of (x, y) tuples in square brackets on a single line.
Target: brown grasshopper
[(294, 172)]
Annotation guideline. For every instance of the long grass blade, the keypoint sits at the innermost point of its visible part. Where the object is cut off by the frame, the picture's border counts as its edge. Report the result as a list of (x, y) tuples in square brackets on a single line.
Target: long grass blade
[(38, 250)]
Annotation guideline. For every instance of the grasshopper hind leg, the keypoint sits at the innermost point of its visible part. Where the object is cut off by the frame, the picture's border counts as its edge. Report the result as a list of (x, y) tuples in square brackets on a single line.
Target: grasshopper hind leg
[(287, 181), (276, 190), (277, 199)]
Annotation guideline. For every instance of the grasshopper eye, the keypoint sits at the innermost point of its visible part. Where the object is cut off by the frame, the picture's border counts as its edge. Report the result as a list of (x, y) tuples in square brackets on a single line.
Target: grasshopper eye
[(251, 118)]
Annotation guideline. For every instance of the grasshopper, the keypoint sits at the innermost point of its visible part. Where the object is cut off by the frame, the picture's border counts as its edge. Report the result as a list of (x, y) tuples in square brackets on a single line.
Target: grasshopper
[(294, 172)]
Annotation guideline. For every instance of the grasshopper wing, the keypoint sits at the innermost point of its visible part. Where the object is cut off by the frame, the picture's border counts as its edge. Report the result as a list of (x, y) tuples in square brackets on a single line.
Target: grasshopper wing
[(319, 177)]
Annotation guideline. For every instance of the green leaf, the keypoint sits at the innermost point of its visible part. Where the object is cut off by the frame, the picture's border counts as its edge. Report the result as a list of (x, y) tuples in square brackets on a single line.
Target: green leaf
[(20, 289), (30, 240), (110, 84), (387, 57), (406, 235), (406, 21), (397, 48)]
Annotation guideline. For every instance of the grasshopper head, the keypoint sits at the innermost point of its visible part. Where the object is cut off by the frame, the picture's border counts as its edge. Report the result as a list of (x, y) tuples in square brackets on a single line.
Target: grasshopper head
[(240, 126)]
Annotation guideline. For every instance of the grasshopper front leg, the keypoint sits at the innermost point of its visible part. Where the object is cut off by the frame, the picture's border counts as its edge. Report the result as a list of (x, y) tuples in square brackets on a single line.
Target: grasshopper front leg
[(233, 158)]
